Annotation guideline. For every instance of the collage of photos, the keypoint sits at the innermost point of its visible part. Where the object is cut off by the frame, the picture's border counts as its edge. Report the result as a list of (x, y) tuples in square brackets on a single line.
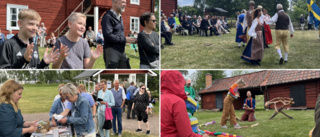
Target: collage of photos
[(159, 68)]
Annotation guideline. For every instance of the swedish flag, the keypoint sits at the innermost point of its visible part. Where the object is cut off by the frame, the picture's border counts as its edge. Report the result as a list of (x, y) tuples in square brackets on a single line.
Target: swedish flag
[(314, 12)]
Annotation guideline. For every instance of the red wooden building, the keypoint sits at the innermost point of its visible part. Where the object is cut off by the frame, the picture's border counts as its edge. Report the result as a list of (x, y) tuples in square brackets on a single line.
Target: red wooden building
[(54, 13), (301, 85), (168, 5)]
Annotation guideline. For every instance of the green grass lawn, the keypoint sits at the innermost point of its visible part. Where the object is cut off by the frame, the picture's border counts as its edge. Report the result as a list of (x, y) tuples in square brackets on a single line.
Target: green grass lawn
[(37, 98), (190, 52), (280, 126), (99, 64)]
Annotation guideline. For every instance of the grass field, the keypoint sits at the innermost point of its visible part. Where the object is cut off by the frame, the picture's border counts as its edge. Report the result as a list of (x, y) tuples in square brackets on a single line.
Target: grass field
[(190, 52), (279, 126), (39, 98), (99, 64)]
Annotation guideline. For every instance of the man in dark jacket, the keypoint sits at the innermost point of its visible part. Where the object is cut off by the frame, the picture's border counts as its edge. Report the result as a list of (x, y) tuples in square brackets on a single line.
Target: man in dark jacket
[(115, 40), (205, 25)]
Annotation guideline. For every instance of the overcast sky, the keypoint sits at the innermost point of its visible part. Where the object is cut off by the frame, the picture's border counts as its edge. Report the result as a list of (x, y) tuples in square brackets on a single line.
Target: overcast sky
[(185, 2), (228, 72)]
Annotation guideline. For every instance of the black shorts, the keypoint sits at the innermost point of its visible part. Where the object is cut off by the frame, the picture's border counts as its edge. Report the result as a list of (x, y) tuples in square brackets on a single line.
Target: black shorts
[(142, 115)]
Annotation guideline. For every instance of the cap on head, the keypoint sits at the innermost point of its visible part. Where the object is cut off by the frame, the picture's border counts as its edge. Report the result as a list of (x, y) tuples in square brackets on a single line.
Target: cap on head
[(188, 81)]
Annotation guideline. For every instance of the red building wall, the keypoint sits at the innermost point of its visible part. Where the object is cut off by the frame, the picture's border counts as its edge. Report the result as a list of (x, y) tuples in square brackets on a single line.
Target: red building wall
[(311, 90), (132, 10), (168, 5), (52, 12), (208, 101)]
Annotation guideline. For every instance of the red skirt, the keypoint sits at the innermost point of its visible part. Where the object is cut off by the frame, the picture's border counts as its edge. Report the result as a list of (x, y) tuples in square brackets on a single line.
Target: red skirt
[(267, 33)]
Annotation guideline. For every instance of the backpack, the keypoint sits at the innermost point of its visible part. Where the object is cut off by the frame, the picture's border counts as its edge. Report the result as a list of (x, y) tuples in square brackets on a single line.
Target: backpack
[(128, 95)]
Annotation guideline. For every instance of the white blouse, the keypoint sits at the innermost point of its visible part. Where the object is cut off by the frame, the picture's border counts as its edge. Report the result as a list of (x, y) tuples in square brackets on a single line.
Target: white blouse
[(252, 31)]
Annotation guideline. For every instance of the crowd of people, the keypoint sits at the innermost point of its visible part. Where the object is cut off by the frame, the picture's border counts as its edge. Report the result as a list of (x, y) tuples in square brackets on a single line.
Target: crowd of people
[(182, 23), (90, 114), (254, 30), (72, 51)]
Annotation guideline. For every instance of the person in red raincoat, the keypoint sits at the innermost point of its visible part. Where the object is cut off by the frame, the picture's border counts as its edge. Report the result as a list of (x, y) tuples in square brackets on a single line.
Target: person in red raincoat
[(174, 117)]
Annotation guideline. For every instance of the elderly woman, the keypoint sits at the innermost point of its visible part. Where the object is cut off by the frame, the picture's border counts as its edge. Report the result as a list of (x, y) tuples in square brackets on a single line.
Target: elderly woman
[(141, 106), (108, 99), (148, 42), (59, 105), (228, 109), (11, 120), (81, 115)]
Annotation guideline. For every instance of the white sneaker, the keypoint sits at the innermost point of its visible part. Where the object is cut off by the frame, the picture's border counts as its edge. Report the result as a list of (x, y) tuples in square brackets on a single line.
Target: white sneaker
[(112, 134), (119, 135), (225, 126), (237, 126)]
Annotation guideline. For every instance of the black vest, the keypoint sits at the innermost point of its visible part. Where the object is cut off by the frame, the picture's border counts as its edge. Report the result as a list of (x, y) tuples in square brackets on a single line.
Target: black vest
[(283, 21)]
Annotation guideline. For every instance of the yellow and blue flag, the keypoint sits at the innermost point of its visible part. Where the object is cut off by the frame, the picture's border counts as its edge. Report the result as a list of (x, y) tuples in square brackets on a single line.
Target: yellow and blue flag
[(314, 12)]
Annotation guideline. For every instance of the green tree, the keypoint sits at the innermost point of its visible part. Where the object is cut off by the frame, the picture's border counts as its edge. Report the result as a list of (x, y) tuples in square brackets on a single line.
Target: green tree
[(239, 72), (299, 7), (199, 78), (153, 84)]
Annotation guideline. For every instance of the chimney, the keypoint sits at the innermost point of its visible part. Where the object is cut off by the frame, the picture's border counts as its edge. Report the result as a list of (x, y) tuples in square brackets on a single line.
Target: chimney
[(208, 80)]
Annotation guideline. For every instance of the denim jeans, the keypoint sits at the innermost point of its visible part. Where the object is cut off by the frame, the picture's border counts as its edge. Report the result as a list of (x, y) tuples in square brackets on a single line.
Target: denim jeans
[(117, 114)]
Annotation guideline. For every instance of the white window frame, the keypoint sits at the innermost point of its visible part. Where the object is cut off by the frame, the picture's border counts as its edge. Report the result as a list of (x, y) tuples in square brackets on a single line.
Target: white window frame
[(138, 23), (9, 6), (135, 2)]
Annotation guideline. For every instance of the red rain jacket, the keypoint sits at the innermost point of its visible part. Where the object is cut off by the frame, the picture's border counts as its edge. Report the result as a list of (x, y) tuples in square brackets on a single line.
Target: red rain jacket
[(175, 121)]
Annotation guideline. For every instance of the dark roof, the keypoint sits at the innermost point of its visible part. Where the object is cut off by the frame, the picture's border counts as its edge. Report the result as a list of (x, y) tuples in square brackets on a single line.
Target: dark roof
[(86, 74), (263, 78), (215, 10)]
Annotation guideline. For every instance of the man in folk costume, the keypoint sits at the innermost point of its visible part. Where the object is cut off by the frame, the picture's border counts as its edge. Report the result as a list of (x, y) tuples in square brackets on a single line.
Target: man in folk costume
[(249, 105), (248, 19), (239, 24), (228, 108), (267, 30), (283, 26)]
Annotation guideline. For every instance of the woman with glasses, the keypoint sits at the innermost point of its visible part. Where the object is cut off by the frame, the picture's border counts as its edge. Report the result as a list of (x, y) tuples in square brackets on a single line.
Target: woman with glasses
[(141, 106), (58, 106), (11, 120), (148, 42), (107, 99), (81, 114)]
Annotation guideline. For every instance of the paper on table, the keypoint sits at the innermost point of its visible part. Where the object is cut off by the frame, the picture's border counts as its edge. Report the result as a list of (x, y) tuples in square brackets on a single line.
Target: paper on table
[(58, 117)]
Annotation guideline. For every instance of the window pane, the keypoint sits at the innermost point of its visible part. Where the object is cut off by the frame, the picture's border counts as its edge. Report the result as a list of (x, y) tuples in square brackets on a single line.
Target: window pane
[(14, 17), (13, 10), (13, 23)]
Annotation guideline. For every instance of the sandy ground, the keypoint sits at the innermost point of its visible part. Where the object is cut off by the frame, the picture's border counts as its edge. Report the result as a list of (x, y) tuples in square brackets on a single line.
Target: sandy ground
[(127, 124)]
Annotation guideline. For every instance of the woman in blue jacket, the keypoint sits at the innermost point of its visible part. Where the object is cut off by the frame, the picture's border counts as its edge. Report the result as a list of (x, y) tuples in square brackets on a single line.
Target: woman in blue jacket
[(108, 98), (81, 114), (11, 120), (58, 106)]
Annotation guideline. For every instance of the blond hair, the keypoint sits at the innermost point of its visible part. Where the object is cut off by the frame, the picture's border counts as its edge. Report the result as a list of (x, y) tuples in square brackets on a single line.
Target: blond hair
[(69, 89), (75, 16), (82, 87), (7, 89), (29, 14), (60, 87)]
